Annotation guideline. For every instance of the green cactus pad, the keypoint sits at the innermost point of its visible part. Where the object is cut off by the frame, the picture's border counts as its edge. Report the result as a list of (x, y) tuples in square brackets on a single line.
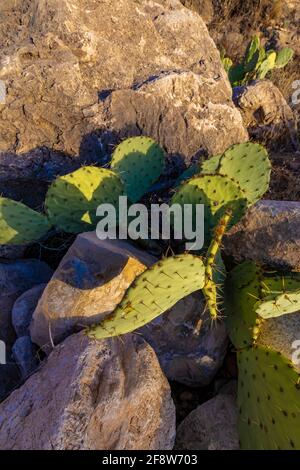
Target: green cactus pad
[(268, 401), (19, 224), (278, 283), (250, 166), (209, 166), (267, 65), (72, 200), (242, 294), (152, 293), (280, 295), (139, 161), (218, 193), (277, 305), (283, 57)]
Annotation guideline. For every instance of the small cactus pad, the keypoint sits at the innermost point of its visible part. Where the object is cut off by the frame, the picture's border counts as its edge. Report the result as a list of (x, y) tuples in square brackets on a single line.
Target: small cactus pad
[(268, 401), (280, 295), (242, 293), (277, 305), (249, 165), (72, 200), (283, 57), (152, 293), (139, 161), (218, 193), (19, 224)]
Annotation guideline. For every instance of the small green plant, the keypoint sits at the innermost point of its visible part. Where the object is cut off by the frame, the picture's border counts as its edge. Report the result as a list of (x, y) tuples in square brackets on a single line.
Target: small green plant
[(256, 64), (269, 384)]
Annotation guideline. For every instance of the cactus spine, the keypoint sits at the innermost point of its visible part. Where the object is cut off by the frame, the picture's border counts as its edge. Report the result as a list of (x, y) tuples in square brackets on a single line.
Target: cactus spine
[(210, 287)]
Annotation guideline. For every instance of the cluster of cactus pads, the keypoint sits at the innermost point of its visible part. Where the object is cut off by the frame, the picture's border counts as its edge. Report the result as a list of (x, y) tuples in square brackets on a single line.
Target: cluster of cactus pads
[(256, 64), (72, 200), (226, 185), (269, 383)]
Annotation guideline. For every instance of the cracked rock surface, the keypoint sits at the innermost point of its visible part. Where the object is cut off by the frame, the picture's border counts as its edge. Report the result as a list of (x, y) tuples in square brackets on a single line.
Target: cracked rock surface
[(90, 394), (81, 74)]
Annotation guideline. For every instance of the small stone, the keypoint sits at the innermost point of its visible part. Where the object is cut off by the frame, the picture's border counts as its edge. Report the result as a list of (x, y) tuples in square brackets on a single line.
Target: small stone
[(25, 356), (23, 309)]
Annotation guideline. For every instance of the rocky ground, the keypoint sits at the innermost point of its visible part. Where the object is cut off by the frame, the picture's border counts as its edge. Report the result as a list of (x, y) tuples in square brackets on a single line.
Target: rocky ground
[(80, 76)]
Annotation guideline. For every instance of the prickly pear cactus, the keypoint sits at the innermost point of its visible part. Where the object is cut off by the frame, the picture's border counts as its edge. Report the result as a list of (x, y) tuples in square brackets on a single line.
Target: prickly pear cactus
[(152, 293), (139, 161), (19, 224), (72, 200), (268, 400), (269, 384), (218, 193), (249, 165)]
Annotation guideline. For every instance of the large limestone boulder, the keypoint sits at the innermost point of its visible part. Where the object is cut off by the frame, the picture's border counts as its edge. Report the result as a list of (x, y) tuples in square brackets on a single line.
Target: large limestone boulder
[(75, 66), (108, 395), (87, 286), (268, 234), (213, 425)]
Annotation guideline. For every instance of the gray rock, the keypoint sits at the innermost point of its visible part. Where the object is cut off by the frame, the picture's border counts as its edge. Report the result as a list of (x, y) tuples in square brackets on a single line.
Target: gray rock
[(268, 234), (211, 426), (166, 78), (283, 334), (266, 113), (23, 309), (185, 356), (16, 277), (25, 356), (92, 395)]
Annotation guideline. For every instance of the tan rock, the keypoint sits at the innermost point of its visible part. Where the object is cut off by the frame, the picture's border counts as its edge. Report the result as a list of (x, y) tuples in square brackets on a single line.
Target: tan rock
[(107, 395), (88, 284), (266, 113), (69, 56)]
